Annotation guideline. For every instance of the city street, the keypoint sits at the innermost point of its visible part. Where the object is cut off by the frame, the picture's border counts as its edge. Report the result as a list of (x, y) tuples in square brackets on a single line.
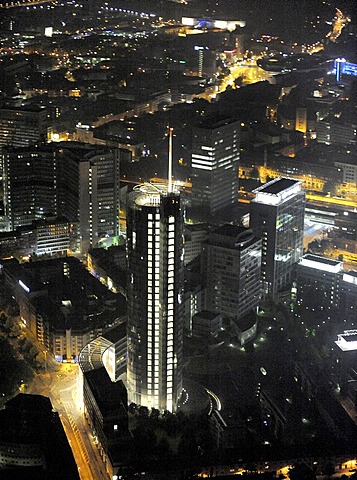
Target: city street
[(60, 384)]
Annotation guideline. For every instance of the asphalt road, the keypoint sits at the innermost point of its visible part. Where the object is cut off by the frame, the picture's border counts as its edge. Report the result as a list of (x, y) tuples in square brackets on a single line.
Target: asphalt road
[(61, 385)]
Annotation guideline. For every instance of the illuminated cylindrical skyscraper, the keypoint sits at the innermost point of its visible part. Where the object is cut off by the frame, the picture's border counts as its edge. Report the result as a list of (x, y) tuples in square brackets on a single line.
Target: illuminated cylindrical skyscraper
[(155, 322)]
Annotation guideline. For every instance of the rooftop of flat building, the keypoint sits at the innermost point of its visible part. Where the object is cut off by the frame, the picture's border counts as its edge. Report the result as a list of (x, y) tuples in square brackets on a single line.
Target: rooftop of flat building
[(324, 260), (33, 108), (347, 341), (277, 185), (28, 421), (232, 236), (111, 397), (116, 333), (229, 230), (197, 227), (214, 122), (350, 337), (207, 314), (352, 273)]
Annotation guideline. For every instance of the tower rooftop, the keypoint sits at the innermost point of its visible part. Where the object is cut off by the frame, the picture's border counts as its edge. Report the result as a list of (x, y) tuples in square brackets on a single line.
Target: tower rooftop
[(148, 194), (277, 185), (277, 190)]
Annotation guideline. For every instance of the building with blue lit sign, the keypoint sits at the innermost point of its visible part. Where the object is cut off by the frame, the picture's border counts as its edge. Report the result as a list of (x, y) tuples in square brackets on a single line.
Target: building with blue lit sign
[(341, 67)]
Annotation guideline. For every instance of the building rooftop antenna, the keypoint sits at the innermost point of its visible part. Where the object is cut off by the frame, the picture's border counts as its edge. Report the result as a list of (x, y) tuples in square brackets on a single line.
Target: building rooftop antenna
[(169, 189)]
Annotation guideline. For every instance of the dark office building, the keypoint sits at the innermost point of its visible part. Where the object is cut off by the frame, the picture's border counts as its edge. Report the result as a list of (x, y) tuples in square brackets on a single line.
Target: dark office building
[(22, 126), (215, 158), (232, 267)]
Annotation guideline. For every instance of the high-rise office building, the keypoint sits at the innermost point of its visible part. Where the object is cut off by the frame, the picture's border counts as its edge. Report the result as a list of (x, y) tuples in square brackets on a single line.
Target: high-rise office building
[(318, 280), (78, 181), (155, 322), (231, 265), (215, 158), (89, 186), (29, 180), (277, 216), (22, 126)]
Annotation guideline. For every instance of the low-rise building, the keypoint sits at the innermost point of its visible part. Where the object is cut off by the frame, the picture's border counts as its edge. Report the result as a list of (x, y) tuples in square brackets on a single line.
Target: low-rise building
[(50, 236), (108, 265), (33, 443), (206, 323), (105, 408), (61, 303)]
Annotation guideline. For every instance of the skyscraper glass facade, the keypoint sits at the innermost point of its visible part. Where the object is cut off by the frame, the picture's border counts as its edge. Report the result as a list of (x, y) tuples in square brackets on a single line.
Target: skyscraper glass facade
[(155, 323), (277, 216)]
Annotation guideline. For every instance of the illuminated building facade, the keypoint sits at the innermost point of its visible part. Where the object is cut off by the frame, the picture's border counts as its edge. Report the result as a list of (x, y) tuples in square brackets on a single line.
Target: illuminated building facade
[(154, 292), (336, 132), (341, 67), (349, 294), (215, 158), (53, 236), (232, 257), (277, 216), (23, 126), (78, 181), (319, 278), (346, 360), (301, 120), (206, 23)]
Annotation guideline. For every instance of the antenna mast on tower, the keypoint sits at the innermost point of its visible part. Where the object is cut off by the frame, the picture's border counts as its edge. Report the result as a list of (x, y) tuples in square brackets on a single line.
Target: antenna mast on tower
[(169, 189)]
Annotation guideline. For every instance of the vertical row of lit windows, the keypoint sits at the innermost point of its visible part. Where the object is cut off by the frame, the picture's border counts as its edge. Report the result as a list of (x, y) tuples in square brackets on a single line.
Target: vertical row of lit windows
[(170, 311), (153, 311), (150, 276), (90, 207), (157, 311)]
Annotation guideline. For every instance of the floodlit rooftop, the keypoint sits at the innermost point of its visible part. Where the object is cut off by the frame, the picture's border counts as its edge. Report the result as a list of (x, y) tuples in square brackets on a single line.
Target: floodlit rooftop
[(321, 263), (347, 341), (149, 194), (277, 185), (277, 191), (350, 277)]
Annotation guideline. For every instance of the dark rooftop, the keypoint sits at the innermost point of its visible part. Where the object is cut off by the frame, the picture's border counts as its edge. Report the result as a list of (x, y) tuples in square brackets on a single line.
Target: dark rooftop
[(211, 123), (28, 108), (278, 186), (29, 403), (29, 420), (207, 314), (229, 230), (324, 260), (196, 226), (116, 333), (353, 273), (110, 396), (350, 337), (231, 236)]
